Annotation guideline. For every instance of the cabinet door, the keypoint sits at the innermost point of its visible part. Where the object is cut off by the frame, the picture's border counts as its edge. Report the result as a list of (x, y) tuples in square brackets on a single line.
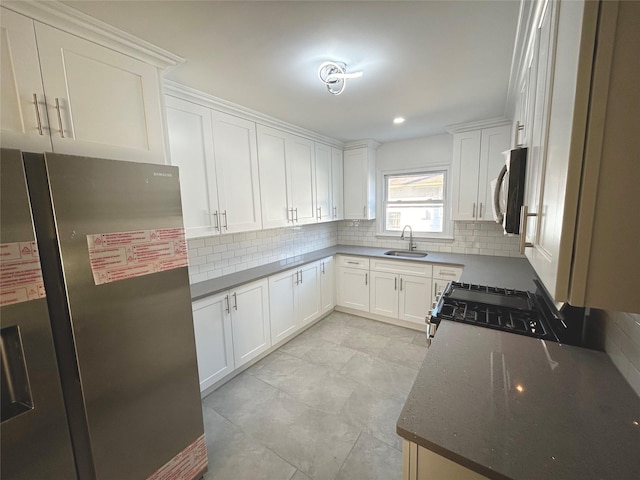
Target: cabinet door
[(250, 321), (542, 63), (493, 142), (236, 160), (274, 195), (214, 343), (415, 296), (301, 178), (355, 183), (20, 81), (383, 294), (438, 287), (353, 288), (283, 305), (464, 170), (327, 284), (337, 184), (324, 211), (191, 149), (309, 304), (102, 103)]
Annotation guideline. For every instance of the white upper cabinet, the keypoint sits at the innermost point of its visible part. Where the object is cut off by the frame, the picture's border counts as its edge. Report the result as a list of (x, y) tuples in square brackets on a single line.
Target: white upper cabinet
[(24, 122), (360, 183), (337, 184), (191, 148), (324, 204), (582, 186), (218, 162), (274, 195), (287, 178), (477, 159), (73, 95), (300, 154), (101, 103), (236, 161)]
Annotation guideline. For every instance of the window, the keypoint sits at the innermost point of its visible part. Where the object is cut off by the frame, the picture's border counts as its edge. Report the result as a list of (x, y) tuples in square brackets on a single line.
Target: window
[(415, 199)]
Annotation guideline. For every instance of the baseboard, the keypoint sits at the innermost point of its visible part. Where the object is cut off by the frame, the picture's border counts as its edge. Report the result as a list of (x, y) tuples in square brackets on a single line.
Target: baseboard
[(382, 318)]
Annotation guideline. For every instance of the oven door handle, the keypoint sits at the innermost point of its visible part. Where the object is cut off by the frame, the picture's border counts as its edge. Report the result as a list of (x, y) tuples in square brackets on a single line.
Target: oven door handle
[(496, 194)]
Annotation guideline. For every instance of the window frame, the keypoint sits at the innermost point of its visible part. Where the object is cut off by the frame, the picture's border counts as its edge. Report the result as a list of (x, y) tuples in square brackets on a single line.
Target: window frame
[(447, 222)]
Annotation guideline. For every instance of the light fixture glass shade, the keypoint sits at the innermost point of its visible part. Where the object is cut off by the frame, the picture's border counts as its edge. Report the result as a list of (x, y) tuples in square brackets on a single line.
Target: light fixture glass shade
[(335, 76)]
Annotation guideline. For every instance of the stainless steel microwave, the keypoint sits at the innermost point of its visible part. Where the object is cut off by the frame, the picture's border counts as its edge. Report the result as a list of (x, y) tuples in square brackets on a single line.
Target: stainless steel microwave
[(508, 194)]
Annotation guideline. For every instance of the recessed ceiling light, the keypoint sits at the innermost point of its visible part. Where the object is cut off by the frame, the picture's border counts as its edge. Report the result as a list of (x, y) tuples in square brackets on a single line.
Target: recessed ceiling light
[(398, 120)]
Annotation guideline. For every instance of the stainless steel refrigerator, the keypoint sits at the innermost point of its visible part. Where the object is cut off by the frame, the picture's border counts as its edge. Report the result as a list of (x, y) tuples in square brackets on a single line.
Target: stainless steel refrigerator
[(99, 377)]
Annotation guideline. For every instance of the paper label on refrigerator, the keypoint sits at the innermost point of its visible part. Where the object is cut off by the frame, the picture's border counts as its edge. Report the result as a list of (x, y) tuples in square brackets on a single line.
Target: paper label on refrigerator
[(20, 273), (123, 255), (186, 465)]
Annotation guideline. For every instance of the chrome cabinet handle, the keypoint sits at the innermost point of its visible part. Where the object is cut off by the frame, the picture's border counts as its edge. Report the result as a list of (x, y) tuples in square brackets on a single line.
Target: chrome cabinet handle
[(395, 283), (215, 217), (519, 128), (353, 263), (335, 211), (226, 225), (447, 274), (59, 118), (435, 290), (235, 301), (290, 210), (400, 283), (296, 210), (524, 215), (301, 276), (228, 309), (480, 213), (319, 213), (322, 264), (35, 104), (366, 279), (474, 211), (297, 279)]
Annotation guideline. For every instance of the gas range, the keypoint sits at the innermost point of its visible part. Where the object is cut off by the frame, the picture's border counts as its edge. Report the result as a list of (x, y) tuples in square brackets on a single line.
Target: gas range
[(507, 310)]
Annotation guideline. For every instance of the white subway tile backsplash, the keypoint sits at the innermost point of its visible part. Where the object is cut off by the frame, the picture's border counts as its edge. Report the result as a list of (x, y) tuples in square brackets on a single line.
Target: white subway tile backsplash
[(622, 343)]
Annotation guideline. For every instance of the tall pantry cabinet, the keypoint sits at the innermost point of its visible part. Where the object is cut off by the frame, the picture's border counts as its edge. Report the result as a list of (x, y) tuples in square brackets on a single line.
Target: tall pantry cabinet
[(98, 96)]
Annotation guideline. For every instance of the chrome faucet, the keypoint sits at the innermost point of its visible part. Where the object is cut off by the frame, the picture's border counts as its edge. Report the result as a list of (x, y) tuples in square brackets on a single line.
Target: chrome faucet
[(412, 245)]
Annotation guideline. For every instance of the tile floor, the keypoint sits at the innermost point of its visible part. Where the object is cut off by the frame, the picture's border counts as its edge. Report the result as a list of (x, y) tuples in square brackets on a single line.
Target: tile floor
[(322, 407)]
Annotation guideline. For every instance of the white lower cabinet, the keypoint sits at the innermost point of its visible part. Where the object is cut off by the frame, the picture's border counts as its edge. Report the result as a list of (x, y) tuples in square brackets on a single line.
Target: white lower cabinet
[(214, 343), (250, 320), (413, 302), (295, 300), (418, 463), (400, 296), (327, 285), (383, 294)]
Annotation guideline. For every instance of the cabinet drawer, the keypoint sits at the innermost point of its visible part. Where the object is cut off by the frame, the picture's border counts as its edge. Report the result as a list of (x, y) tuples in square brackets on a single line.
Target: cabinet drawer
[(402, 268), (445, 272), (353, 262)]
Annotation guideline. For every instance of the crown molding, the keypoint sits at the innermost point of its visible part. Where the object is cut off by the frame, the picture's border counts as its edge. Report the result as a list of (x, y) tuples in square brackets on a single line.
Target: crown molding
[(70, 20), (189, 94), (366, 143), (489, 123)]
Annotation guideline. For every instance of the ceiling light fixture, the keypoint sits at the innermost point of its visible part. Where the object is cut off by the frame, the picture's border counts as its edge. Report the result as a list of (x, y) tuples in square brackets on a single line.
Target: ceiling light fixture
[(334, 75), (398, 120)]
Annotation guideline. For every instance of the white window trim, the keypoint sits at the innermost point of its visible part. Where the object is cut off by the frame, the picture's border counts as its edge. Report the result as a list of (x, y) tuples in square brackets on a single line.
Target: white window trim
[(447, 226)]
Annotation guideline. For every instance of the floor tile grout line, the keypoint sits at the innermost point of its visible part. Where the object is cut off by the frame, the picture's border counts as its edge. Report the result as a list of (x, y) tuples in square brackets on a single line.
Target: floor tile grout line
[(350, 451)]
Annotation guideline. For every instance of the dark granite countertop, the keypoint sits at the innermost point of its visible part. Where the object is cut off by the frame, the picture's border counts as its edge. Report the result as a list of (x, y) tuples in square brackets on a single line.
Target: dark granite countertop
[(513, 407), (507, 272)]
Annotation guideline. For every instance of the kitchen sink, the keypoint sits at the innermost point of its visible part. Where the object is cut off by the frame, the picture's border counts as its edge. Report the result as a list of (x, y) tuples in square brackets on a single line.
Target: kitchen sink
[(405, 253)]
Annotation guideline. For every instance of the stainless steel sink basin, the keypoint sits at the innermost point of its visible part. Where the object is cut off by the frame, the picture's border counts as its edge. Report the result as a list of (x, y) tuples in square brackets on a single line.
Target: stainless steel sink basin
[(405, 253)]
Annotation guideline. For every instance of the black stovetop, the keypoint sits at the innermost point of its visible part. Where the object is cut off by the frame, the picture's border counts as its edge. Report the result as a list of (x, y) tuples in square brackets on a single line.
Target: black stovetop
[(514, 311)]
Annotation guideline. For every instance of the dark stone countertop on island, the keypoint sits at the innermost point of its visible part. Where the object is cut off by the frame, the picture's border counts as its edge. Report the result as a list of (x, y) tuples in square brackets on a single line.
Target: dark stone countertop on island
[(513, 407), (507, 272)]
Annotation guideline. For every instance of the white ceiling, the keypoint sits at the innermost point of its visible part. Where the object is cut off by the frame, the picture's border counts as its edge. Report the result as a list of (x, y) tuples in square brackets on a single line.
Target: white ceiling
[(436, 63)]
